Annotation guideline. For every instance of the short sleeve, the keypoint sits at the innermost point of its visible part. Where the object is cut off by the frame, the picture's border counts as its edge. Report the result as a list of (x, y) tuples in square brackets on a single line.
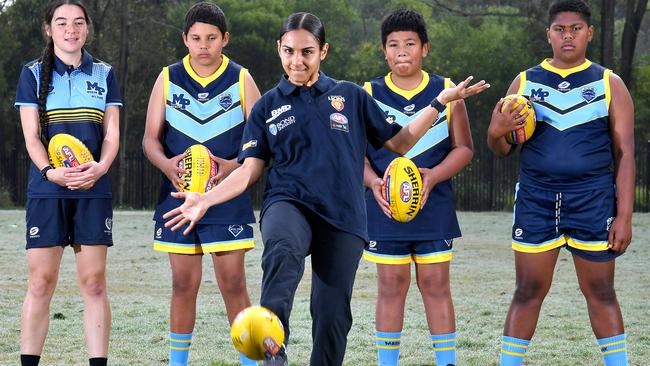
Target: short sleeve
[(26, 92), (254, 142), (378, 129), (113, 97)]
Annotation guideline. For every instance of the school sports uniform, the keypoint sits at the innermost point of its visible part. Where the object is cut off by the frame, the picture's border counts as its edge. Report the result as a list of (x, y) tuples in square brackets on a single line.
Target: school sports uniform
[(207, 111), (566, 194), (427, 238), (314, 201), (75, 105)]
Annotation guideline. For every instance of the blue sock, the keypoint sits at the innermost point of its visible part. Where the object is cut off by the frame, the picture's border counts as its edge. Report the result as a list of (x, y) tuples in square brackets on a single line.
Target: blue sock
[(614, 350), (513, 350), (179, 348), (388, 348), (245, 361), (444, 345)]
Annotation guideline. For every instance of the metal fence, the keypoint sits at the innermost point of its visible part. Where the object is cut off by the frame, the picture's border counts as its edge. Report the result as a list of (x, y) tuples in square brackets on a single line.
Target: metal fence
[(487, 184)]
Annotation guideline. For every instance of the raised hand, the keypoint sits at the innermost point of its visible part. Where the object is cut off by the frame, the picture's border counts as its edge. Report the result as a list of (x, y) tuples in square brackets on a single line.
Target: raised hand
[(462, 90), (190, 212)]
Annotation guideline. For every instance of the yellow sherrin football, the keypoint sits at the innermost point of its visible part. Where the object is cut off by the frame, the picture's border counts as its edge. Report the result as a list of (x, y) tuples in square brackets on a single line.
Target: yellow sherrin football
[(200, 170), (67, 151), (257, 332), (523, 133), (403, 189)]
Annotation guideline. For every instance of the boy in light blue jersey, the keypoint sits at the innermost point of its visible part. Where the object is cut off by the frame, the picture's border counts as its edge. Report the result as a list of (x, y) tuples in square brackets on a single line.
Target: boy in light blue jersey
[(576, 185)]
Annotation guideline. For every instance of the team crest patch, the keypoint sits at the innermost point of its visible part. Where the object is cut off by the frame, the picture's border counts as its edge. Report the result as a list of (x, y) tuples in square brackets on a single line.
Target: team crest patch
[(235, 230), (337, 101), (225, 101), (339, 122), (589, 94)]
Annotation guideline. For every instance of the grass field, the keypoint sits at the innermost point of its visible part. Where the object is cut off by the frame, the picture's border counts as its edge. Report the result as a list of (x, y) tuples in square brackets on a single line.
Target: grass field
[(482, 285)]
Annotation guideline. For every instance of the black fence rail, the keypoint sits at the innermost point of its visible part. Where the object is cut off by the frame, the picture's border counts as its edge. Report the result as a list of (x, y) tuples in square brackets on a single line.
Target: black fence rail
[(487, 184)]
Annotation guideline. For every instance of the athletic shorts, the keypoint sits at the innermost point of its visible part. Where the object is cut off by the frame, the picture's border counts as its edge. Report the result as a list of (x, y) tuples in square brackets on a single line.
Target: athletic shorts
[(579, 221), (405, 252), (204, 238), (53, 222)]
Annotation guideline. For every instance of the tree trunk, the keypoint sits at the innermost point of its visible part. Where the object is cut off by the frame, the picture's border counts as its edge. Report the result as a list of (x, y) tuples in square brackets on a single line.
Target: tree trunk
[(122, 76), (607, 34), (633, 17)]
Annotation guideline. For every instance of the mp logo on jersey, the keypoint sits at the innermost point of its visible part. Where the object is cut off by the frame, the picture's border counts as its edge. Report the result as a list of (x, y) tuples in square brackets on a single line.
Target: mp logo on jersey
[(179, 101), (225, 101), (538, 95), (94, 88)]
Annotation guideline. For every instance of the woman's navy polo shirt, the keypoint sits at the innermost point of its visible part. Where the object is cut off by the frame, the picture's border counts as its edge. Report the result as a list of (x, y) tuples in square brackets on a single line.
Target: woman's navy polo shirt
[(317, 139)]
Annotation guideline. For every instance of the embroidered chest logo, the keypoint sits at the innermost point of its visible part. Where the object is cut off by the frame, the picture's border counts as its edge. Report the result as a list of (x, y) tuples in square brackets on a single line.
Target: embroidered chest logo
[(589, 94), (203, 97), (94, 89), (337, 101), (563, 86), (225, 101), (179, 101), (339, 122), (538, 95)]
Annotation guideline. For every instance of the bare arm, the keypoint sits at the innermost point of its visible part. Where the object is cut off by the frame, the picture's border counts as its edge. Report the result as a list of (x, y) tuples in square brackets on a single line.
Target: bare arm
[(195, 205), (462, 151), (621, 119), (411, 133), (503, 123), (153, 134)]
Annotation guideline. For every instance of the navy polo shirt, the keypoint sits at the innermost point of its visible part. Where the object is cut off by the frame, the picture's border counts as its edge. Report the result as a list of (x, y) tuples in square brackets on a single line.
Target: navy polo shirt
[(76, 101), (317, 138)]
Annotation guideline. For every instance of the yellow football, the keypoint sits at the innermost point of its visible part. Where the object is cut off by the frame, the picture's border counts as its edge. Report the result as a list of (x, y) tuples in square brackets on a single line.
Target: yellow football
[(257, 332), (67, 151), (523, 133), (200, 170), (403, 189)]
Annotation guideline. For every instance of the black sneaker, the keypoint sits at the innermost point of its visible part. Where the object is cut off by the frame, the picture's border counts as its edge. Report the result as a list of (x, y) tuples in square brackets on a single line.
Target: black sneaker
[(280, 358)]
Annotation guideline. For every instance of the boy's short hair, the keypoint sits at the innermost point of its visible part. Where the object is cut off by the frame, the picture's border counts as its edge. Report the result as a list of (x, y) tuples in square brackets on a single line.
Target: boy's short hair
[(208, 13), (575, 6), (404, 20)]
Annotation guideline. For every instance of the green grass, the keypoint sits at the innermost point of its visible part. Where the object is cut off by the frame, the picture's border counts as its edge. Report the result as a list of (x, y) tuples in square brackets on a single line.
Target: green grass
[(482, 285)]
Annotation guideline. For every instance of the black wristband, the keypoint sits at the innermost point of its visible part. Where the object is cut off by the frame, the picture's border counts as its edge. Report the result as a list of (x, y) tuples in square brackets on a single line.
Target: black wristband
[(435, 104), (44, 171)]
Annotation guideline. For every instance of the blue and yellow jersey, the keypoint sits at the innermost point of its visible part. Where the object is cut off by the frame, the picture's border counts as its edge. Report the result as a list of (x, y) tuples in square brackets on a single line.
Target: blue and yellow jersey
[(208, 111), (75, 105), (571, 149), (437, 220)]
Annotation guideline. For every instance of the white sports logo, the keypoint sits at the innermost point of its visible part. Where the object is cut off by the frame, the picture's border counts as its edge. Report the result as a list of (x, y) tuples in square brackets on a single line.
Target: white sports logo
[(518, 233), (372, 244), (159, 232), (33, 231), (235, 230), (278, 111), (109, 223)]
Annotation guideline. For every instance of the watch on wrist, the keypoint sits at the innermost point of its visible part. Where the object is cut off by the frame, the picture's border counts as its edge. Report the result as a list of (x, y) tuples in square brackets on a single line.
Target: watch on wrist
[(435, 104), (44, 171)]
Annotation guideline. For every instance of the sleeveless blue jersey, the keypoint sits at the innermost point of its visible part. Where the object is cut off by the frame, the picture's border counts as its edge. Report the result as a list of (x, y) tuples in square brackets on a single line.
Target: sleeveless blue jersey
[(207, 111), (76, 102), (437, 220), (571, 148)]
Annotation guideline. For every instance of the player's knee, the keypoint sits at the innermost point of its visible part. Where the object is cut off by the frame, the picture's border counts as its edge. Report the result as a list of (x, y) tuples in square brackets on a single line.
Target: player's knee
[(93, 286), (42, 287), (394, 285), (434, 287), (184, 286), (233, 284), (529, 292), (603, 294)]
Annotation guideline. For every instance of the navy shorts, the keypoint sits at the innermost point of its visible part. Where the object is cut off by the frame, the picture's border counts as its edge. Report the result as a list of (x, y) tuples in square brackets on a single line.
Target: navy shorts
[(53, 222), (405, 252), (204, 238), (579, 221)]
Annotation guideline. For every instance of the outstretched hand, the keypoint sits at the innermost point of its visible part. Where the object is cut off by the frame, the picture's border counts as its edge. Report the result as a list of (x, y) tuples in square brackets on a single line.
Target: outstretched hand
[(190, 212), (462, 90)]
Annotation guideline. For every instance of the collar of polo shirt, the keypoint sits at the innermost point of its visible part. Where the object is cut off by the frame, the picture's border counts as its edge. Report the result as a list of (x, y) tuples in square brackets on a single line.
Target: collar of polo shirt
[(323, 84), (86, 64)]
